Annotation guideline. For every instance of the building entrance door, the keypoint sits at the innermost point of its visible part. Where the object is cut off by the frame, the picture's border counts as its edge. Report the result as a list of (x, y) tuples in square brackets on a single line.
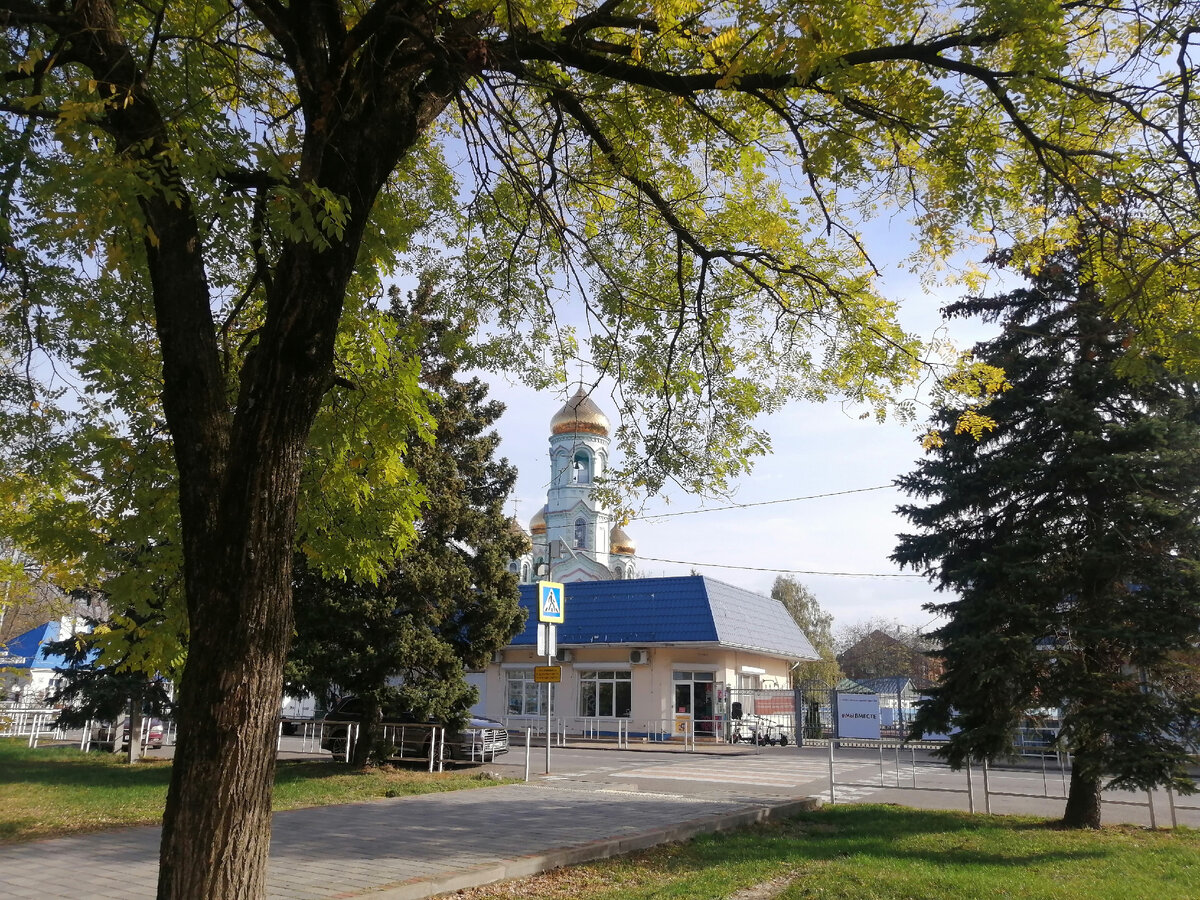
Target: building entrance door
[(695, 696)]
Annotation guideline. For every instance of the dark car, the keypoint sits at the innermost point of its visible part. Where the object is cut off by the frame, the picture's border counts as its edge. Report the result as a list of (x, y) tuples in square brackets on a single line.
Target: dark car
[(411, 738)]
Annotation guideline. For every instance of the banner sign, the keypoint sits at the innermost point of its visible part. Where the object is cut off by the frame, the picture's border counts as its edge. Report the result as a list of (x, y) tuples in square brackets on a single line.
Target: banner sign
[(858, 716)]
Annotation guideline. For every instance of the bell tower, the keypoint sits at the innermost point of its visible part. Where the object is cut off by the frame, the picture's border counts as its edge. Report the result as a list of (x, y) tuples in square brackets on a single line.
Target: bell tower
[(573, 535)]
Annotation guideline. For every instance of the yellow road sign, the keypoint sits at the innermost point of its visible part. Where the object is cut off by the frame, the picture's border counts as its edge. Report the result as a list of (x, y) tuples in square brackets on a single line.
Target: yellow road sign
[(547, 674)]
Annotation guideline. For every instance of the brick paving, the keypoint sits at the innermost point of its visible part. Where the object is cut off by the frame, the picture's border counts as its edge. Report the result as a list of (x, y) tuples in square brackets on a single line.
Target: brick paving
[(396, 849)]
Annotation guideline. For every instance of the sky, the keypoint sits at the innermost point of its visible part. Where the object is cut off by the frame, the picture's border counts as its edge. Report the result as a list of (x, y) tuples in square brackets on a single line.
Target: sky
[(817, 449)]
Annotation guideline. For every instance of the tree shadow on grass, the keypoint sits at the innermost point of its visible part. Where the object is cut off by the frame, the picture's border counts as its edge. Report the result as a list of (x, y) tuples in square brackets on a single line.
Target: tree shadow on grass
[(67, 766), (886, 836), (934, 837)]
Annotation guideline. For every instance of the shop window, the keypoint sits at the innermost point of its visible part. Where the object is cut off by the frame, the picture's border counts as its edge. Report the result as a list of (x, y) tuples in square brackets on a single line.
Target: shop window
[(605, 693), (524, 696)]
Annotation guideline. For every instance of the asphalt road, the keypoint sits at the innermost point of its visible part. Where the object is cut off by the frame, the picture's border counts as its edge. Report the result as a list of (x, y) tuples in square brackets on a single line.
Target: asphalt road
[(747, 772)]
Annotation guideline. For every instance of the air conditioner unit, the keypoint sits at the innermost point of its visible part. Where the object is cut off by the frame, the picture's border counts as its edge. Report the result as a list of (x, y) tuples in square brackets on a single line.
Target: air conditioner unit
[(497, 657), (639, 657), (565, 656)]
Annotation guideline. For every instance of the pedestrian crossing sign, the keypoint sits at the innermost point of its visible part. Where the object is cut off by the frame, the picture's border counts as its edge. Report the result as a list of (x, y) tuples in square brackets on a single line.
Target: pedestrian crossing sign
[(550, 602)]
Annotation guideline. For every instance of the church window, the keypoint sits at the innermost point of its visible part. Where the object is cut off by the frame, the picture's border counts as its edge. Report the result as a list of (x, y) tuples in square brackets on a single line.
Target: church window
[(581, 467), (580, 534)]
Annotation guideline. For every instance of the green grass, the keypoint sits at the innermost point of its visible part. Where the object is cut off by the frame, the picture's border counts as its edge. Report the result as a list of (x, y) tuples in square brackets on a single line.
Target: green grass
[(59, 790), (889, 853)]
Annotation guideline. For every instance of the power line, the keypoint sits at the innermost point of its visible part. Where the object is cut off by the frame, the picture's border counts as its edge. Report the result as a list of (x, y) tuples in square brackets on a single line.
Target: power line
[(681, 562), (692, 512)]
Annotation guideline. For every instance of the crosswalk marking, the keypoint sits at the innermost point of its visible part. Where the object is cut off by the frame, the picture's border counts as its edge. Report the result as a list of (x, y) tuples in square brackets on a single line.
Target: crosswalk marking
[(769, 771)]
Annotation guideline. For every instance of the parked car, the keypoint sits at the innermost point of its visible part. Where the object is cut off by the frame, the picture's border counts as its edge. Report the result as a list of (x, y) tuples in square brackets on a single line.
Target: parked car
[(153, 734), (106, 732), (481, 739)]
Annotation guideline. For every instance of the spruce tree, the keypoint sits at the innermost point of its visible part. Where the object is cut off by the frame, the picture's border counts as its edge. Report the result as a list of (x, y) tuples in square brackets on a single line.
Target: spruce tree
[(1069, 538), (450, 601)]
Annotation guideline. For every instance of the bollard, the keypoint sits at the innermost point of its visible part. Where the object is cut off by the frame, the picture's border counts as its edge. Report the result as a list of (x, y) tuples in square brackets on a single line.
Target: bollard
[(831, 794), (528, 743)]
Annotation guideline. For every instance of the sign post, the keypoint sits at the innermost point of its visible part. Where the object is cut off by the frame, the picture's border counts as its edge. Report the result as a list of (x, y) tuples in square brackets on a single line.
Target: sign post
[(551, 614)]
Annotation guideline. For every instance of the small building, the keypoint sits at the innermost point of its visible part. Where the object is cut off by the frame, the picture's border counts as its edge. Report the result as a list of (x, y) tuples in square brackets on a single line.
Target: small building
[(652, 656), (880, 655), (28, 672)]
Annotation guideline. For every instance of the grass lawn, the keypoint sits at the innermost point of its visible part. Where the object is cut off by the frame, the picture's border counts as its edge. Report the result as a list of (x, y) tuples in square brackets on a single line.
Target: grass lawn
[(888, 852), (59, 790)]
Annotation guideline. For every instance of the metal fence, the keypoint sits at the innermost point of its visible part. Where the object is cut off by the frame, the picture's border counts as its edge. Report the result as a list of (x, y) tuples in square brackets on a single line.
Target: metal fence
[(904, 773), (30, 722)]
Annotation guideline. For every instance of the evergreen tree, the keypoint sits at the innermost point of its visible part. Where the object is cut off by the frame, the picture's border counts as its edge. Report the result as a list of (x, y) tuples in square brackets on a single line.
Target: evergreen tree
[(817, 624), (95, 688), (1069, 534), (450, 601)]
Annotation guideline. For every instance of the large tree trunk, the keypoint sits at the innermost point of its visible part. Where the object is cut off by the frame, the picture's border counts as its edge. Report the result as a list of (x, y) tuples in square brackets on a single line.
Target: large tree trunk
[(217, 823), (1083, 801), (368, 733), (239, 467)]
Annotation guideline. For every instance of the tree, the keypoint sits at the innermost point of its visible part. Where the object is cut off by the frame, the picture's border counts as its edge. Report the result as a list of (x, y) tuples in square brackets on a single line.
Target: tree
[(28, 599), (817, 624), (1070, 537), (450, 601), (93, 691), (197, 200), (886, 648)]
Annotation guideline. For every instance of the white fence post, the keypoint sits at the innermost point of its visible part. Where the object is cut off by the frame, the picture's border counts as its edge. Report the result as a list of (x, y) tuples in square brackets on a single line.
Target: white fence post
[(832, 799), (528, 744)]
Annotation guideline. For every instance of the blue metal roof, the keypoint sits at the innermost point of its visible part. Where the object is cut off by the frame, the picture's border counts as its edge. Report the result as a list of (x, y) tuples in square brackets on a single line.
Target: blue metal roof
[(691, 609), (28, 650)]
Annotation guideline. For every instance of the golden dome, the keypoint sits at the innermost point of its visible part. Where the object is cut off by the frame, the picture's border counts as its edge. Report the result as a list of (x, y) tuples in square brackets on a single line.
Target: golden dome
[(621, 543), (537, 525), (580, 414), (515, 528)]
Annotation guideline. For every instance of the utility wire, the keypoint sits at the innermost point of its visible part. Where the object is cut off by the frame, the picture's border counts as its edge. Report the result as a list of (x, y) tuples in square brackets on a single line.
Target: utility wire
[(681, 562), (692, 512)]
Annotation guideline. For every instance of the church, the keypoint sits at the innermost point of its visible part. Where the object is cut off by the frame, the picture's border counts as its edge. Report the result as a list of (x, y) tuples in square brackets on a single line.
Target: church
[(572, 537), (649, 657)]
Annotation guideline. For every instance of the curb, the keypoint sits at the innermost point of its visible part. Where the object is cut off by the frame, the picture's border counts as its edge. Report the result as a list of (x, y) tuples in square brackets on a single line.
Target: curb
[(422, 888)]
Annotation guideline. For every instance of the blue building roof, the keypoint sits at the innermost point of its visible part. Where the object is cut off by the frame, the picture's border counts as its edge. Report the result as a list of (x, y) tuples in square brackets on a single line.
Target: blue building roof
[(28, 650), (691, 609)]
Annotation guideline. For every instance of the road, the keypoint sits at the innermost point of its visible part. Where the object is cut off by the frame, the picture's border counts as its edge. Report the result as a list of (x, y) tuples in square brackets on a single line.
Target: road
[(908, 778), (747, 772)]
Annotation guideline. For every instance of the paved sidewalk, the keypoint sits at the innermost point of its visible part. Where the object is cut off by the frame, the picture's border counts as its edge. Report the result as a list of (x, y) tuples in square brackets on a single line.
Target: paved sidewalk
[(403, 848)]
